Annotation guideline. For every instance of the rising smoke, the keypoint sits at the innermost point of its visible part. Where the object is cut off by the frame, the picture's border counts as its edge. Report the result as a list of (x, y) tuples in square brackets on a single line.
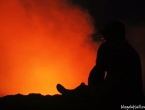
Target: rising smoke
[(43, 42)]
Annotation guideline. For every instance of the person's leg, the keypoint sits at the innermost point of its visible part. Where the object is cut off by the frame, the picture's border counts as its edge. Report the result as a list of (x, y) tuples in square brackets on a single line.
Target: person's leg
[(78, 90)]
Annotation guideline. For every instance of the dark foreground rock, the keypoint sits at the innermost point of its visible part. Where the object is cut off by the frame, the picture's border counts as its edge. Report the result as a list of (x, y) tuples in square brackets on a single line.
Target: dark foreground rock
[(55, 102)]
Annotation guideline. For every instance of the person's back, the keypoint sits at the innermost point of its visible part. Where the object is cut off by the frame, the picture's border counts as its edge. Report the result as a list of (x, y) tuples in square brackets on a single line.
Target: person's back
[(122, 64), (123, 68)]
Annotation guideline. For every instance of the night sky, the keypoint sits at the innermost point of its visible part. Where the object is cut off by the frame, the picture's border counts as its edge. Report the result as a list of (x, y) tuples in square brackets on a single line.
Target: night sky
[(104, 10), (45, 42)]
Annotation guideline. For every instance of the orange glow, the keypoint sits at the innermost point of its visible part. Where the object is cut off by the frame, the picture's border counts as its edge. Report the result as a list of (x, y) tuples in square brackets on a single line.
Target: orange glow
[(42, 43)]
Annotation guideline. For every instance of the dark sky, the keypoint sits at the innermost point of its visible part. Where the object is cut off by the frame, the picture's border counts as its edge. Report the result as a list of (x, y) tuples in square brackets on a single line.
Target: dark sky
[(130, 12), (104, 10)]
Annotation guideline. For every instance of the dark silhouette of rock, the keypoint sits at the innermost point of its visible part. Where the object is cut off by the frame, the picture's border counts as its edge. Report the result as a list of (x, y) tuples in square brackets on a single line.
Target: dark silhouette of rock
[(39, 102), (55, 102)]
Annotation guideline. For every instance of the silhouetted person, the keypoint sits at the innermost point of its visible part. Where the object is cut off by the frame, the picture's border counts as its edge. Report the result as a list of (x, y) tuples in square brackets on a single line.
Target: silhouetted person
[(121, 62)]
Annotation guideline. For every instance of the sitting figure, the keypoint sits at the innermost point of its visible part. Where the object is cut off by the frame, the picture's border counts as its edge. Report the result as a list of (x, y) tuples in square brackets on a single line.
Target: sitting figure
[(117, 58)]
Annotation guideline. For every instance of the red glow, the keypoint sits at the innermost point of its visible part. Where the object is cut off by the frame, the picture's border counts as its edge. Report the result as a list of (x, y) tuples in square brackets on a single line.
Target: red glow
[(42, 43)]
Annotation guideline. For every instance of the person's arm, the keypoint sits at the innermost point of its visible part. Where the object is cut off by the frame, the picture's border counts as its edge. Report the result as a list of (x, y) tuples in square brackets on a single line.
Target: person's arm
[(97, 73)]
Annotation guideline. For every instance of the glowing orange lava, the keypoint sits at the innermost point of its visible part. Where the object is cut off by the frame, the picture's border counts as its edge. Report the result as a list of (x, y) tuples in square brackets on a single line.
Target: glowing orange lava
[(42, 43)]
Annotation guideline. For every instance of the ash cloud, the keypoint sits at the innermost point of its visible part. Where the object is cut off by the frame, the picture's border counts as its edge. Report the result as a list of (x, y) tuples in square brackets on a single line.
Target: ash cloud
[(43, 42)]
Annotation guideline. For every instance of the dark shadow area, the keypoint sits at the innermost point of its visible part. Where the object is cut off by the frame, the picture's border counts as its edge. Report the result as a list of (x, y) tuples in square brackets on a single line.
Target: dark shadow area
[(39, 102), (56, 102)]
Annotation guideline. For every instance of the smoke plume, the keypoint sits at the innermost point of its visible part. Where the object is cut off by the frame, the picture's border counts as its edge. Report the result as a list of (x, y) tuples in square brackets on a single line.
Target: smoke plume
[(43, 42)]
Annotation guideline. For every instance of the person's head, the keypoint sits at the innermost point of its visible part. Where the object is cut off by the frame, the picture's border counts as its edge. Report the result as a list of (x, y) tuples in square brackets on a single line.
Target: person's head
[(113, 30)]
